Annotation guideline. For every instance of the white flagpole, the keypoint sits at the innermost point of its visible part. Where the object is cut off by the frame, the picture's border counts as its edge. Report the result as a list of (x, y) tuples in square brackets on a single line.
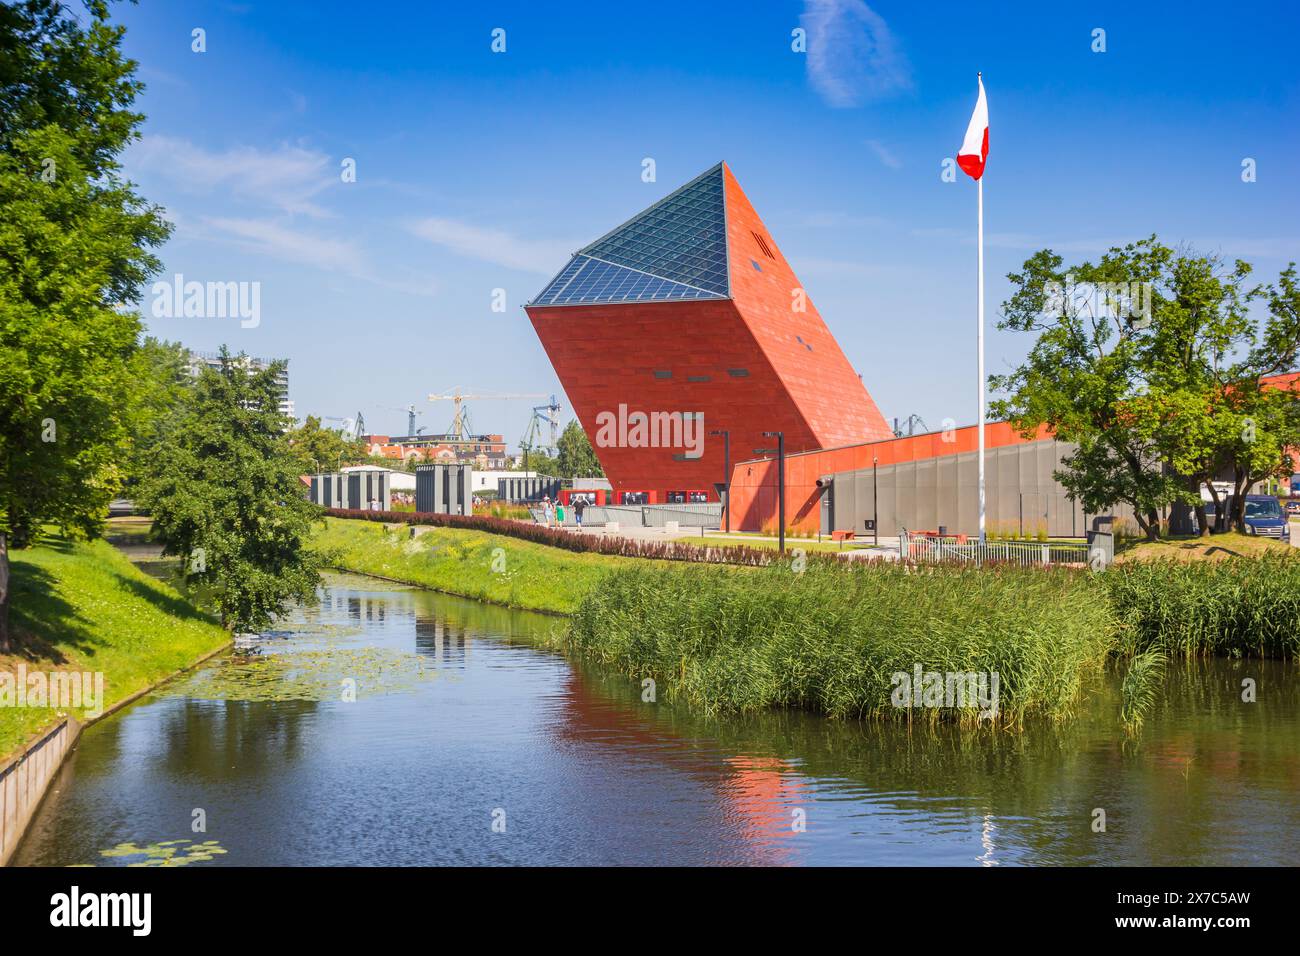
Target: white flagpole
[(980, 340)]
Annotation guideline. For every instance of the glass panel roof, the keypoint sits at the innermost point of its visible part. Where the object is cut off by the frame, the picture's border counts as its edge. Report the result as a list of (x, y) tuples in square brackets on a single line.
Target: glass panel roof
[(676, 249)]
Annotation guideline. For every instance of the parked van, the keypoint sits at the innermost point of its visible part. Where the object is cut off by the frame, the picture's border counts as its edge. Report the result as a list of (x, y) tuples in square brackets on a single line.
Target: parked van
[(1264, 516)]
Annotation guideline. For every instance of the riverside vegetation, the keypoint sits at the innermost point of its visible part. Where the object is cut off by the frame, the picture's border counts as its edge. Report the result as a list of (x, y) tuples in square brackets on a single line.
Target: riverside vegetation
[(830, 637), (83, 606)]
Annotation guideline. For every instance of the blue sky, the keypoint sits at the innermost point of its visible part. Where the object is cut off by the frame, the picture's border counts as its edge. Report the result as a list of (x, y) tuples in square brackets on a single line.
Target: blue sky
[(478, 170)]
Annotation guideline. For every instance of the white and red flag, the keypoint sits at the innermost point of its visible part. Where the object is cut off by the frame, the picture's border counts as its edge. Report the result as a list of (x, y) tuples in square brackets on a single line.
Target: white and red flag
[(975, 147)]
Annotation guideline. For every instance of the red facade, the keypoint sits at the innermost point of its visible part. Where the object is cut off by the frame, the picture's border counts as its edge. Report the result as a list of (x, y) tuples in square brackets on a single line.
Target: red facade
[(753, 357)]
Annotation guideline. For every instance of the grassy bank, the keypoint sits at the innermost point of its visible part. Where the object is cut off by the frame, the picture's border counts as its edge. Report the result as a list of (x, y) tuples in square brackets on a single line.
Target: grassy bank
[(1215, 547), (84, 607), (473, 564), (830, 639)]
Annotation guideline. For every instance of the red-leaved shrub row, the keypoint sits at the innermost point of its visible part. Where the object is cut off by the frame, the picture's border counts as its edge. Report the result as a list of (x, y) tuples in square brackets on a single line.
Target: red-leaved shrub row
[(598, 544)]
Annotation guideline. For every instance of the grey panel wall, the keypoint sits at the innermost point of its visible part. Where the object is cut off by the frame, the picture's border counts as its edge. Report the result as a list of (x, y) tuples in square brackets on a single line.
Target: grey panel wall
[(1021, 494), (358, 490), (527, 489), (444, 489)]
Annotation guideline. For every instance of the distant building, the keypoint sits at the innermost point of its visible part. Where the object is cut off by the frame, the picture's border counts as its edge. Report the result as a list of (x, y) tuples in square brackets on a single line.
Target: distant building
[(486, 452), (213, 361)]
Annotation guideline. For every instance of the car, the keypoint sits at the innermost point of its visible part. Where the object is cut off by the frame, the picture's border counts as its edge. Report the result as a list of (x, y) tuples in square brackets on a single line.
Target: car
[(1264, 517)]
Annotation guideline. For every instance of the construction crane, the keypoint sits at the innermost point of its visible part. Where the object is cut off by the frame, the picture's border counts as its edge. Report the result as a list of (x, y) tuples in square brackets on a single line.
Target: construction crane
[(354, 426), (912, 422), (543, 415), (460, 421), (410, 416)]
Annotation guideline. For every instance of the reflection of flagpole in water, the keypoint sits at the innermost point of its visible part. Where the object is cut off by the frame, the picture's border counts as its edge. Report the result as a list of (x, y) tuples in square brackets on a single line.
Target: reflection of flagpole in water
[(986, 838)]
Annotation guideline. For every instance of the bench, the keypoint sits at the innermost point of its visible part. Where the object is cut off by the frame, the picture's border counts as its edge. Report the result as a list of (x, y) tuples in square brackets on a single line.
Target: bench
[(842, 536)]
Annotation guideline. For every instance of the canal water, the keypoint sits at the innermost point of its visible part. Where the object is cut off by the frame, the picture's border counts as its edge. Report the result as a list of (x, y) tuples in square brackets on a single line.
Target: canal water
[(394, 726)]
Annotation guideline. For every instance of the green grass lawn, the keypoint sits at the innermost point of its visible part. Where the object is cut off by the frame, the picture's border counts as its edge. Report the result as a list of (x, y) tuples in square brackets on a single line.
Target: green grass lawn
[(1212, 547), (85, 607), (521, 574)]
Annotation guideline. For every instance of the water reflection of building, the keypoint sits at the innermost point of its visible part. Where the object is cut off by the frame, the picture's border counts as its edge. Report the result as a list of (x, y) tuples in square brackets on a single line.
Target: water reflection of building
[(757, 797), (444, 642)]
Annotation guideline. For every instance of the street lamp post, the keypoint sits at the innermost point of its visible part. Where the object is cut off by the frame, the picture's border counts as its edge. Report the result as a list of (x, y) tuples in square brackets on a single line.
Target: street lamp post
[(726, 473), (780, 485), (875, 503)]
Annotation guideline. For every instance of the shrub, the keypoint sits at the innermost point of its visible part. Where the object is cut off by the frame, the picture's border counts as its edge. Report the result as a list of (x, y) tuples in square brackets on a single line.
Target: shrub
[(596, 544)]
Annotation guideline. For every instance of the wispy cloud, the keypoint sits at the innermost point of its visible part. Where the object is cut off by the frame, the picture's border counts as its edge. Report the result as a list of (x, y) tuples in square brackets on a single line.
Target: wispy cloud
[(287, 178), (275, 240), (852, 55), (498, 246), (885, 154)]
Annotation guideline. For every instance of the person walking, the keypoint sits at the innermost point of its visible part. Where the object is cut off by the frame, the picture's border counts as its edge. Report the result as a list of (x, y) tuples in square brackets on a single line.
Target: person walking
[(549, 511), (579, 505), (559, 513)]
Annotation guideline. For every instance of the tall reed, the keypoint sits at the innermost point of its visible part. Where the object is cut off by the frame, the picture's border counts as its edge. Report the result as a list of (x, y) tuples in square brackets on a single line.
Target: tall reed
[(832, 638), (1237, 606)]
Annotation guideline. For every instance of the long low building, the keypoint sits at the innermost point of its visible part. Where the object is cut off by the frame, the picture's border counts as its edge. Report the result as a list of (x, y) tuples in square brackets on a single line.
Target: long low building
[(922, 483)]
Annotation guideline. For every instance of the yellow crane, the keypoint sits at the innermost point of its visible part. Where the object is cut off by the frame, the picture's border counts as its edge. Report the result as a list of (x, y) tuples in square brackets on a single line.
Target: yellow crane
[(460, 421)]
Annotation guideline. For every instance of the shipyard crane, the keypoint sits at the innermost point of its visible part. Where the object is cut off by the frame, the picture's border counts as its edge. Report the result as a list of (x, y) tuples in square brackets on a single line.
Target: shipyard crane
[(912, 422), (460, 421), (410, 417), (543, 415), (356, 427)]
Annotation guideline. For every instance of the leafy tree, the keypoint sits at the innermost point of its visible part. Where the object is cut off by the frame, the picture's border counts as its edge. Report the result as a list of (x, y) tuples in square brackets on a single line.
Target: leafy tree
[(542, 464), (225, 497), (1161, 398), (161, 384), (1081, 376), (318, 449), (74, 251), (576, 459)]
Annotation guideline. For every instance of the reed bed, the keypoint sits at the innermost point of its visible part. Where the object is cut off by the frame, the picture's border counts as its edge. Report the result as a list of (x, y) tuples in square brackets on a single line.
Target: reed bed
[(1237, 606), (832, 638)]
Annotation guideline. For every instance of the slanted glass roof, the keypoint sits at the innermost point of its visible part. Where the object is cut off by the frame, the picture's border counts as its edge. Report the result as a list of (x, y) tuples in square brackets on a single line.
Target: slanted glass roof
[(676, 249)]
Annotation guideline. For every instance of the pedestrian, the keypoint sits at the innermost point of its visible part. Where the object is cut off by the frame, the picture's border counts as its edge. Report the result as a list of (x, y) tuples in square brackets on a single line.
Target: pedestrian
[(559, 512), (547, 511), (579, 505)]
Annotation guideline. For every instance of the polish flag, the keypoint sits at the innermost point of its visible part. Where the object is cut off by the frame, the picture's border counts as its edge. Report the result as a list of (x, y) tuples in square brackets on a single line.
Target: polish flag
[(975, 147)]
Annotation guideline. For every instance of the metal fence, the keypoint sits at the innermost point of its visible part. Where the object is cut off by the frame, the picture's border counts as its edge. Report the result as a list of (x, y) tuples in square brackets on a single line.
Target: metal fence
[(926, 548), (643, 516)]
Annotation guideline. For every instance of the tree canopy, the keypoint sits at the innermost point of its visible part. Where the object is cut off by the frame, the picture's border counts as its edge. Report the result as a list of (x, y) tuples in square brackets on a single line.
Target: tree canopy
[(226, 499), (75, 250), (575, 457), (1150, 360)]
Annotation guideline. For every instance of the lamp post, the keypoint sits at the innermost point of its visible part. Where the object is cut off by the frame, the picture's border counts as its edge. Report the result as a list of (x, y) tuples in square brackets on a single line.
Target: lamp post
[(875, 504), (726, 473), (780, 485)]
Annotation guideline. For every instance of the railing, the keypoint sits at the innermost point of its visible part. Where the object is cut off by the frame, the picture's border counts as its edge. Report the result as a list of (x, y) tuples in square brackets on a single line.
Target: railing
[(931, 548)]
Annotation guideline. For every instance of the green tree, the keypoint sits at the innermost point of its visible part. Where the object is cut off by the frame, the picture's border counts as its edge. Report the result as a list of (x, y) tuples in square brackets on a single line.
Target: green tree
[(74, 253), (319, 449), (161, 384), (542, 464), (1151, 361), (576, 458), (1081, 376), (226, 499)]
